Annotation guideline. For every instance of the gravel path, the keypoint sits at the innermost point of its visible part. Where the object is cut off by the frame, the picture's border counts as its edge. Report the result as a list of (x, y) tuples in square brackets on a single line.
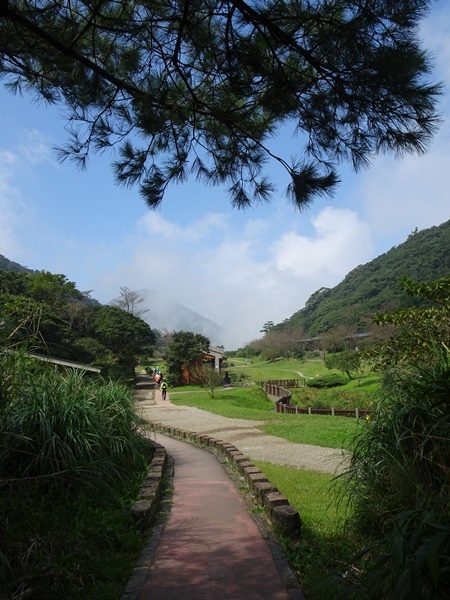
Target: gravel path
[(242, 433)]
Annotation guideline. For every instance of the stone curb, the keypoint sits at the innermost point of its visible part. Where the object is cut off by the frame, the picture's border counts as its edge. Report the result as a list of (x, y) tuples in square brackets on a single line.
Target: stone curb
[(149, 502), (149, 495), (284, 518), (159, 511)]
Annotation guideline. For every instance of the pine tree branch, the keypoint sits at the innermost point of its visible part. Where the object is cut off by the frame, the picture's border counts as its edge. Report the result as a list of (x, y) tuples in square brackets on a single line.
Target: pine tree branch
[(19, 19)]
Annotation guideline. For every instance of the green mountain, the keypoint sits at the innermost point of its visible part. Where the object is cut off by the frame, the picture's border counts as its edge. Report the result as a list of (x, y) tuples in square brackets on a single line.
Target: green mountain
[(10, 265), (374, 287), (162, 312)]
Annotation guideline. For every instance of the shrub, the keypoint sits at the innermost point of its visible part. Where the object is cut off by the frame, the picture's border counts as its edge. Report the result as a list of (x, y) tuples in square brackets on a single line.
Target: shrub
[(399, 488), (327, 381), (71, 460), (331, 398), (68, 430)]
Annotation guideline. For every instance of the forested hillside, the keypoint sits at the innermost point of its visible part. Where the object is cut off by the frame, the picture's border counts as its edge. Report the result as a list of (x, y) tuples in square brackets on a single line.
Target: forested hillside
[(48, 315), (374, 287), (10, 265)]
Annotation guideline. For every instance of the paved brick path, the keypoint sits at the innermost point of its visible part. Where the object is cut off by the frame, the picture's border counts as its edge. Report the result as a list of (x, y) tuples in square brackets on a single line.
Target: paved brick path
[(211, 546)]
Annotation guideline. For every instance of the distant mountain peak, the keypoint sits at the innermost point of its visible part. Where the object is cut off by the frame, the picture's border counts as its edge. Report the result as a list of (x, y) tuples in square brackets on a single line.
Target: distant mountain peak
[(167, 313)]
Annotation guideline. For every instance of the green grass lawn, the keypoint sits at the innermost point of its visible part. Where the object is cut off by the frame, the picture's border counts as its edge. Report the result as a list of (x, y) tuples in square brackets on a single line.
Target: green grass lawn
[(310, 493), (238, 403), (324, 542), (318, 430), (252, 403), (281, 369), (296, 369)]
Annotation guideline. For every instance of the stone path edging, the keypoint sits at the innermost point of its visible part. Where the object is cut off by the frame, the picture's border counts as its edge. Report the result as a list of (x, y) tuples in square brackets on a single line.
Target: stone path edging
[(280, 513), (149, 495), (150, 509)]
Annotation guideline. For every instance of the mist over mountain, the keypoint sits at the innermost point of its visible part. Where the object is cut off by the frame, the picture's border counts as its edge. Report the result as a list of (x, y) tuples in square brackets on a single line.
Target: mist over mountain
[(167, 313), (369, 288), (162, 312)]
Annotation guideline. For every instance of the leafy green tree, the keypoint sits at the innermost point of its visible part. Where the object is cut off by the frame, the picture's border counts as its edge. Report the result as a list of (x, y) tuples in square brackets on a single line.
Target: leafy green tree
[(418, 330), (36, 323), (206, 85), (183, 353), (336, 339), (54, 290), (124, 334), (278, 343), (266, 328), (49, 315), (90, 351), (347, 361), (12, 282)]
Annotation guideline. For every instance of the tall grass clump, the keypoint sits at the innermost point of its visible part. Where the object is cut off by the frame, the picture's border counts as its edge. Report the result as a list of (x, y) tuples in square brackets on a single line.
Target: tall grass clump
[(72, 457), (399, 489), (69, 429)]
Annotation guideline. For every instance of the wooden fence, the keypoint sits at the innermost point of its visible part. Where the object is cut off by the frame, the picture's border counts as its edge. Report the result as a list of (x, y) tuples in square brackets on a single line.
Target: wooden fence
[(358, 413), (283, 383), (283, 404), (284, 396)]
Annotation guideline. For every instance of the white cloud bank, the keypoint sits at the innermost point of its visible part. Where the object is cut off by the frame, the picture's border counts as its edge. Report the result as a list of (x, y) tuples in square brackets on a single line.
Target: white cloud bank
[(221, 273)]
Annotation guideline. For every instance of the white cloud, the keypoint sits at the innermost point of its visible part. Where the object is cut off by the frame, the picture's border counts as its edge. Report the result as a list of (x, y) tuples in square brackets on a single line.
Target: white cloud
[(154, 224), (339, 236), (35, 148), (227, 279), (9, 200), (402, 195)]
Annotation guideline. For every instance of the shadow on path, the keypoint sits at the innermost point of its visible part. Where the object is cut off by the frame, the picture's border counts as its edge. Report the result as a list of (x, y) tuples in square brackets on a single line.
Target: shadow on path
[(211, 547)]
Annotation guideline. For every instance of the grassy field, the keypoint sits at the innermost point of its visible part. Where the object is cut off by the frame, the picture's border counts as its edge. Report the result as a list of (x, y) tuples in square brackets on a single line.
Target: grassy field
[(258, 370), (324, 542), (252, 403)]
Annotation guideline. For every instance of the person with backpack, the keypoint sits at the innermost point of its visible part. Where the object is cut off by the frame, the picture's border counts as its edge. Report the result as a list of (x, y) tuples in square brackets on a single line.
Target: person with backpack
[(164, 389), (158, 380)]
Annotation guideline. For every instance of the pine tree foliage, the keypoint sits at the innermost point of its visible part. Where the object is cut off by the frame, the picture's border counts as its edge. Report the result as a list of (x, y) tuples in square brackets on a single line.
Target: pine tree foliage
[(200, 87)]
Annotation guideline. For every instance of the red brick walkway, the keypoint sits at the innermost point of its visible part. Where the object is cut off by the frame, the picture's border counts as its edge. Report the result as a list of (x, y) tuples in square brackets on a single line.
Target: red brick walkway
[(210, 547)]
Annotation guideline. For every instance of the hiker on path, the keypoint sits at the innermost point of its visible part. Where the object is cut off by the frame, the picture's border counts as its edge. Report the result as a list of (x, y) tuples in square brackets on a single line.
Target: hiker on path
[(158, 380)]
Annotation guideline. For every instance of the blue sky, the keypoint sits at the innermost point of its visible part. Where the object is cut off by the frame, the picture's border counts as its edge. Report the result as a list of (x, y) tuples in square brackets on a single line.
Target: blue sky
[(239, 269)]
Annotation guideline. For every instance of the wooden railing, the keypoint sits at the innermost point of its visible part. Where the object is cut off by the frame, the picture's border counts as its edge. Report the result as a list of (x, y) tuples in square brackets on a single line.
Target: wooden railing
[(284, 383), (283, 404), (284, 396), (358, 413)]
